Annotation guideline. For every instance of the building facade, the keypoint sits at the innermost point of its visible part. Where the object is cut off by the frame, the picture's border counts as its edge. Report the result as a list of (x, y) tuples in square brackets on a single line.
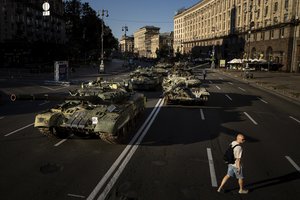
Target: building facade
[(146, 41), (166, 42), (267, 29), (126, 44), (23, 25)]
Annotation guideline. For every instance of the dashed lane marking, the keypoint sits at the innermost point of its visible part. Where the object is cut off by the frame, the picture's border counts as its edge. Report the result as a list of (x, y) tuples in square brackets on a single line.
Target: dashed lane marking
[(242, 89), (263, 100), (254, 122), (218, 87), (221, 78), (49, 88), (43, 103), (230, 83), (212, 168), (228, 97), (293, 163), (1, 117), (295, 119), (76, 196), (202, 114), (210, 82), (15, 131), (62, 141)]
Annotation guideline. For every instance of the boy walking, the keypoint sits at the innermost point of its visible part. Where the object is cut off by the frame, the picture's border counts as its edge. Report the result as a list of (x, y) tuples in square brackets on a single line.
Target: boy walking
[(236, 168)]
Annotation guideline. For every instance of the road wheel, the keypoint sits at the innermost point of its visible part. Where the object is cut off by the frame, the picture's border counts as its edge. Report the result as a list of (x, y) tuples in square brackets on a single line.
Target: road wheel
[(53, 132)]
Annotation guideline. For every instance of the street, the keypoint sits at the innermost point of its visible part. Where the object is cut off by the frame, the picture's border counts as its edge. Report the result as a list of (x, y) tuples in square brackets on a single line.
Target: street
[(175, 152)]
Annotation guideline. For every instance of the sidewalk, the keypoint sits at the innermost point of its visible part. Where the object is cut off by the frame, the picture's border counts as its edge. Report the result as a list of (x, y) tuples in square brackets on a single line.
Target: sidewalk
[(283, 84), (84, 71)]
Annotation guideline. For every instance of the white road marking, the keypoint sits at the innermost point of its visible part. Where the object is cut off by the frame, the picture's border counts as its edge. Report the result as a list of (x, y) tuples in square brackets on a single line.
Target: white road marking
[(131, 147), (212, 168), (228, 97), (1, 117), (263, 100), (254, 122), (43, 103), (202, 114), (295, 119), (293, 163), (242, 89), (218, 87), (62, 141), (210, 82), (77, 196), (8, 134), (220, 78), (230, 83), (49, 88)]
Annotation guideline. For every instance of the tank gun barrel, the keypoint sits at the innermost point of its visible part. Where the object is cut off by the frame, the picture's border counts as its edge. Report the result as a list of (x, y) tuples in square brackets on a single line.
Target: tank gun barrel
[(92, 99)]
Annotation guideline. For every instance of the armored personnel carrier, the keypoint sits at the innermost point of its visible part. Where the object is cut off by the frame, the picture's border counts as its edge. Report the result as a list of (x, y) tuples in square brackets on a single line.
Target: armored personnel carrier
[(110, 113), (145, 79)]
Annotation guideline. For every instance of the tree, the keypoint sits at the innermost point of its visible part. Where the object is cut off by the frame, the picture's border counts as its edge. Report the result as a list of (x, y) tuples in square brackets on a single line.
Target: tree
[(83, 29)]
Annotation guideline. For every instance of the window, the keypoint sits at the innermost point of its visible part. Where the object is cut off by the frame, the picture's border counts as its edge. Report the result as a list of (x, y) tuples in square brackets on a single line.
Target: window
[(281, 32), (272, 34), (286, 4), (275, 6), (286, 17), (266, 10)]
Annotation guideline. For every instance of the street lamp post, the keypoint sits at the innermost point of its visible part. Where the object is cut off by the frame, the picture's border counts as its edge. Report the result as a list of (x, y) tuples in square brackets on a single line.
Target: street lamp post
[(212, 66), (125, 29), (104, 13)]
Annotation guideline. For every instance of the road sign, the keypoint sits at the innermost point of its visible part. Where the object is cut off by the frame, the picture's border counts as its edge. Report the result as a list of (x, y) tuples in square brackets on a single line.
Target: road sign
[(46, 7)]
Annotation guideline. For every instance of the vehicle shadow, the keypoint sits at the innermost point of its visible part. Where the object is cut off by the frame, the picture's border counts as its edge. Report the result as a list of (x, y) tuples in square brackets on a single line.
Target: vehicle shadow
[(179, 124)]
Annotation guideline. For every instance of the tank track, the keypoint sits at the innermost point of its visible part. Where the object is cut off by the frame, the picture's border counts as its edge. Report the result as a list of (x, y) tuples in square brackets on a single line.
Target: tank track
[(52, 132), (106, 137), (121, 136)]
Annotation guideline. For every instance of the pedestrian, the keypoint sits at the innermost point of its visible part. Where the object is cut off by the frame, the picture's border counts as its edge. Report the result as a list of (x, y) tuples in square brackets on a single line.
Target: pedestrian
[(204, 74), (236, 169)]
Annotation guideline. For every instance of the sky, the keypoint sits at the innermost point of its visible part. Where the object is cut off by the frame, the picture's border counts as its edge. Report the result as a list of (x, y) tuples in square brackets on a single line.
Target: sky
[(138, 13)]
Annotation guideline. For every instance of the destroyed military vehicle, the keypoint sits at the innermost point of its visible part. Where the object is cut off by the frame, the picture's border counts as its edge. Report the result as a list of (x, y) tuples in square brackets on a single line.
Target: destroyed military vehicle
[(109, 112), (145, 79), (184, 88)]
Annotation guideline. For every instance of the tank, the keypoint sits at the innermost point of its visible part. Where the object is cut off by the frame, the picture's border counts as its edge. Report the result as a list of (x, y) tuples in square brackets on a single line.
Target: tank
[(182, 87), (109, 114), (162, 68), (145, 79)]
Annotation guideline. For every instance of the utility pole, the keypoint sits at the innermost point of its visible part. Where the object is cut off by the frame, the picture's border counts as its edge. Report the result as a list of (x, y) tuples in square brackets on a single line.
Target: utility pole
[(104, 13)]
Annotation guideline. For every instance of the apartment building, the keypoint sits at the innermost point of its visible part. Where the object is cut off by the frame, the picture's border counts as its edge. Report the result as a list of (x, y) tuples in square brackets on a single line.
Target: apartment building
[(22, 24), (146, 41), (267, 29), (166, 40), (126, 44)]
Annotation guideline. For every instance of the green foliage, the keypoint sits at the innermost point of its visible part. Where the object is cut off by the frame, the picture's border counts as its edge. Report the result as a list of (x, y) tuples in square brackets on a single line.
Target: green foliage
[(83, 30)]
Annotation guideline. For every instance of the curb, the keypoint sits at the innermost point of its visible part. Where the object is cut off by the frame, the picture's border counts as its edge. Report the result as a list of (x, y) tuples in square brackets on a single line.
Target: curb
[(262, 87)]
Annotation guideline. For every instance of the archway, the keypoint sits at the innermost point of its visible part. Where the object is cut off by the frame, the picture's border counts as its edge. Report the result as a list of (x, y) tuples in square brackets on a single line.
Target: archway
[(269, 54), (253, 53)]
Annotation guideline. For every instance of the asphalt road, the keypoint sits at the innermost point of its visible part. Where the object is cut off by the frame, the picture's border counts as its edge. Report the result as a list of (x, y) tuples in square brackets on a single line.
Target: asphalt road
[(175, 152)]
